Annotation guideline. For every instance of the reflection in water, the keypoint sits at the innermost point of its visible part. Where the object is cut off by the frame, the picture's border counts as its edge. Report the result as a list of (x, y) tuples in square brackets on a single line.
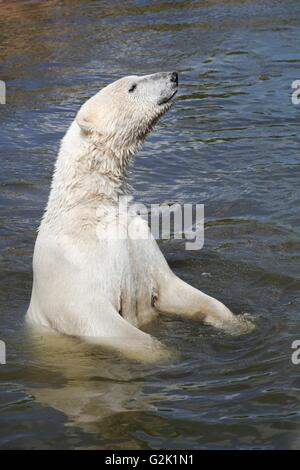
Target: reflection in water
[(90, 384), (93, 383), (99, 392), (231, 143)]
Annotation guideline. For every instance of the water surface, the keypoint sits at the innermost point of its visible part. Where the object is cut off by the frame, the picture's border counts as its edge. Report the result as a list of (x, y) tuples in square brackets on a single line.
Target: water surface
[(230, 142)]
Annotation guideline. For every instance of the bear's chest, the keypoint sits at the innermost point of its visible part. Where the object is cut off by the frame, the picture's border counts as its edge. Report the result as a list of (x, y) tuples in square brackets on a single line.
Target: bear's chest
[(138, 288)]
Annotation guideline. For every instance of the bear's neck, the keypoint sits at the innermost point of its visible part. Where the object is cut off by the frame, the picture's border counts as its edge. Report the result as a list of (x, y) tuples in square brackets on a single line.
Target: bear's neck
[(87, 173)]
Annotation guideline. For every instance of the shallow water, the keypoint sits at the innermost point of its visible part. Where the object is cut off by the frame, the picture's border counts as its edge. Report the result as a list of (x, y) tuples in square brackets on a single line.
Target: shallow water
[(230, 142)]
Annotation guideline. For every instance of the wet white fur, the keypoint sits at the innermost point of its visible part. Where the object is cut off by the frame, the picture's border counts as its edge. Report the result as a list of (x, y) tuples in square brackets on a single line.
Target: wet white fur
[(100, 287)]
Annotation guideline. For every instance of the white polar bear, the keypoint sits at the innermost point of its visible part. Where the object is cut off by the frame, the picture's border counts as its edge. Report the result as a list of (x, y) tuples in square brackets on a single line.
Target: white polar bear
[(104, 287)]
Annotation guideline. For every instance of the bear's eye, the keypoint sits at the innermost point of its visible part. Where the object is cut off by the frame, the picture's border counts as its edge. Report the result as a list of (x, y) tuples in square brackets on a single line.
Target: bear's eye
[(132, 88)]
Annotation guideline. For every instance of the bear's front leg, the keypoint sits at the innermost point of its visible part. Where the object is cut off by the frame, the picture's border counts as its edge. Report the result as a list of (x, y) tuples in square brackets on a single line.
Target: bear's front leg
[(177, 297)]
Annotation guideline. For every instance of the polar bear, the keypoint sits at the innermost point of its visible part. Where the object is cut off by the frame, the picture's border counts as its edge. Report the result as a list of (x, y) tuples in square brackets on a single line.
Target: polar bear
[(106, 287)]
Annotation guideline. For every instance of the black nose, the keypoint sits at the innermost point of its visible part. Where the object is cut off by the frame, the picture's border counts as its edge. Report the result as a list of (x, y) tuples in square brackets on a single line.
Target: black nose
[(174, 77)]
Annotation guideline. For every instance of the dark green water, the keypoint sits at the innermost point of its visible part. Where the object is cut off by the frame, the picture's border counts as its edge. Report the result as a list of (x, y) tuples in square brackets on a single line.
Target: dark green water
[(231, 142)]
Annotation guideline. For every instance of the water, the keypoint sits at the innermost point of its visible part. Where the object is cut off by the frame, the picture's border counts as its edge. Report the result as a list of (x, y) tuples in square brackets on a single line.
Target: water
[(230, 142)]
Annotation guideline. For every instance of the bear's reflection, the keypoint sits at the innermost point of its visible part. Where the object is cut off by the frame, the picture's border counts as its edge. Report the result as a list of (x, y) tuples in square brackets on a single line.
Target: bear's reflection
[(85, 382)]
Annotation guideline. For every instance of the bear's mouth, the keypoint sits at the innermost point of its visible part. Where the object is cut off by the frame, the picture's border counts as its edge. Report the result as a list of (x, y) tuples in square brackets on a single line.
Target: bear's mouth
[(167, 98)]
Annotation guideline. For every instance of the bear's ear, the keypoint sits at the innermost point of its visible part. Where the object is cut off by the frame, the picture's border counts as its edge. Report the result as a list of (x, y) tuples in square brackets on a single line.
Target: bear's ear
[(86, 120)]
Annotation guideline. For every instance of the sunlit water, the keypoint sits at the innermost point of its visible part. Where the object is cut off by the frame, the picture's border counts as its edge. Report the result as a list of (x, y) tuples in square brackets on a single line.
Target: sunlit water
[(230, 142)]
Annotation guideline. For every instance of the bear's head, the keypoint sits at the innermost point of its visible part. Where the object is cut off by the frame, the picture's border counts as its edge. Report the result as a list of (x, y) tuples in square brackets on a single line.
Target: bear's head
[(124, 112)]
